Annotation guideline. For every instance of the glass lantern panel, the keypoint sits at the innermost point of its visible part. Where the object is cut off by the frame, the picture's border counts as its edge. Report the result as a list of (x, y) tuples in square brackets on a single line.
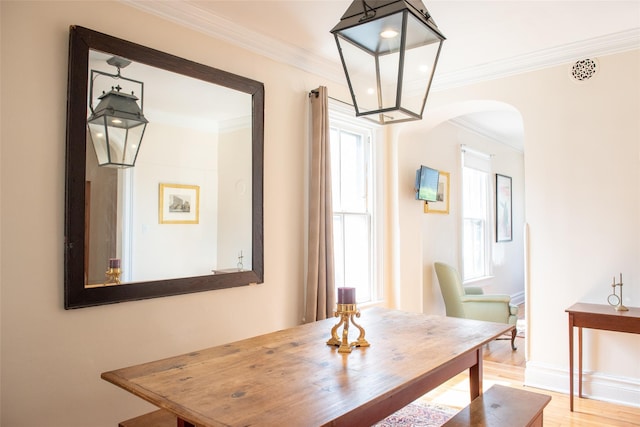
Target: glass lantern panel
[(371, 54), (124, 143), (99, 140), (376, 36), (389, 66), (420, 59), (360, 66)]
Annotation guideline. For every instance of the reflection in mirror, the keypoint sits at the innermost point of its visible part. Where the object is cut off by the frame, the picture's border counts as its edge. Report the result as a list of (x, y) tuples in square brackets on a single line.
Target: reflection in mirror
[(188, 216), (148, 216)]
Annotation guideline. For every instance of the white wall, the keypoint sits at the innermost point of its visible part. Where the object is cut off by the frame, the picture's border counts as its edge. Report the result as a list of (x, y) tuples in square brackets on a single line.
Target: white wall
[(234, 229), (52, 358), (582, 206), (158, 250)]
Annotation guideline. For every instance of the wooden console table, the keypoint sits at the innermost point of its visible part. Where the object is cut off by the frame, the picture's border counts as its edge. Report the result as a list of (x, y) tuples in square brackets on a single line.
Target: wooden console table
[(294, 376), (596, 316)]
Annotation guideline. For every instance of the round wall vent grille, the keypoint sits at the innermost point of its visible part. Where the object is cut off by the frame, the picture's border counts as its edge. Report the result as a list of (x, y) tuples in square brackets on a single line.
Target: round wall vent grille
[(584, 69)]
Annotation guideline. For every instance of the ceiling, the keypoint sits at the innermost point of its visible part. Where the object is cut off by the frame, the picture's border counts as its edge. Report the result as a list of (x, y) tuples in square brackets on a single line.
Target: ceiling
[(485, 39)]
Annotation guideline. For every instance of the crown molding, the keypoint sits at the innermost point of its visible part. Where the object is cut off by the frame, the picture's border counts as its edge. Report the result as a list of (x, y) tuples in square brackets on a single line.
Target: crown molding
[(191, 16), (599, 46)]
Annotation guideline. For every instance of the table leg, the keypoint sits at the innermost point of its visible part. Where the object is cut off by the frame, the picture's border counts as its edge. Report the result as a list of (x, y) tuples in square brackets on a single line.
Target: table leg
[(571, 362), (183, 423), (579, 362), (475, 376)]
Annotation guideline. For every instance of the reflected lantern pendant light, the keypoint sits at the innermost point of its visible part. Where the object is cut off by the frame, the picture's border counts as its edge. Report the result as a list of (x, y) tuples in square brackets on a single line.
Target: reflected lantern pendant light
[(117, 124), (389, 51)]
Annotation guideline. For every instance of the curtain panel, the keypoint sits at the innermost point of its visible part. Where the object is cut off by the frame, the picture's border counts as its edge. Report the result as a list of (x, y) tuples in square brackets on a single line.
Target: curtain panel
[(320, 290)]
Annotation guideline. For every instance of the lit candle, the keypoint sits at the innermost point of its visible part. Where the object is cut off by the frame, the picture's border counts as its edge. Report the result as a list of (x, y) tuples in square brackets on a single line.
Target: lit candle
[(346, 295), (114, 262)]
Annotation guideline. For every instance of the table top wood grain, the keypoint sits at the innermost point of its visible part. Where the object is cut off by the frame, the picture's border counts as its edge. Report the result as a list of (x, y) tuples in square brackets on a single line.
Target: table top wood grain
[(294, 375)]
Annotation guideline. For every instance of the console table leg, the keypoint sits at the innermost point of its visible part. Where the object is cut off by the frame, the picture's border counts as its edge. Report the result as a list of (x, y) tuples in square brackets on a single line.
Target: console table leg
[(579, 362), (571, 362)]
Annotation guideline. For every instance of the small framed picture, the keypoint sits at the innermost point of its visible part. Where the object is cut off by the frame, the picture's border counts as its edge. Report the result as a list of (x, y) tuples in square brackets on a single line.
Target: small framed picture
[(179, 204), (441, 206), (504, 217)]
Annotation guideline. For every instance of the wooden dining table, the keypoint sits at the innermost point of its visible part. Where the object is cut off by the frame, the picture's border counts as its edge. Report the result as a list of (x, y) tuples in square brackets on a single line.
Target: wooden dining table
[(292, 377)]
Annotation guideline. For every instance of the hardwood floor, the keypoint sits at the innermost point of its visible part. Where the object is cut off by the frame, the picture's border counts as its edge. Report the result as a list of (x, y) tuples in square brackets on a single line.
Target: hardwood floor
[(502, 366)]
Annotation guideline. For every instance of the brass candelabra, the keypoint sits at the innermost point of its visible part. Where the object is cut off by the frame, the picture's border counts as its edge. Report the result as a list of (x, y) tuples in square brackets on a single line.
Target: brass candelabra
[(614, 299), (347, 314), (113, 275)]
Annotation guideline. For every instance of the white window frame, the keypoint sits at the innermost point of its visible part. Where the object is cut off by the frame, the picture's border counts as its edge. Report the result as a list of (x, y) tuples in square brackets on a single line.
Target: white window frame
[(341, 116), (480, 161)]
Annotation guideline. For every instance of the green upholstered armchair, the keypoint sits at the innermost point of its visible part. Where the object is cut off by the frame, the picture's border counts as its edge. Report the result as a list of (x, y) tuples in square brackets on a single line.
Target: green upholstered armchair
[(471, 303)]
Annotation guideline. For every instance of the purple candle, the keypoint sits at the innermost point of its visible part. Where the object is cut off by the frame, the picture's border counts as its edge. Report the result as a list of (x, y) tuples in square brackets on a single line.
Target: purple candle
[(114, 262), (346, 295)]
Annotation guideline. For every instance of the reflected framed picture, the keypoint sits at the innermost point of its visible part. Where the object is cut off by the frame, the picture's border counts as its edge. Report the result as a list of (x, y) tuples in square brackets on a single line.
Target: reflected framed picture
[(179, 204), (504, 216), (441, 205)]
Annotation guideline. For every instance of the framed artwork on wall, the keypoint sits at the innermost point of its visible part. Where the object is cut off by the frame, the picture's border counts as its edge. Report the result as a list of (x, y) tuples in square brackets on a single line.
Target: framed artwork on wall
[(179, 204), (504, 216), (441, 206)]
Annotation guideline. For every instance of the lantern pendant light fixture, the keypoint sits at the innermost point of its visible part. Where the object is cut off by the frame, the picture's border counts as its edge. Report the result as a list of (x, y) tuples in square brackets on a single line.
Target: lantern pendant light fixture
[(117, 124), (389, 51)]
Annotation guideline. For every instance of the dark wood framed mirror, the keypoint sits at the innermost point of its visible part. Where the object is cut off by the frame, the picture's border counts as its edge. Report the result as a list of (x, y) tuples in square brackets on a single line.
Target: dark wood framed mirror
[(154, 243)]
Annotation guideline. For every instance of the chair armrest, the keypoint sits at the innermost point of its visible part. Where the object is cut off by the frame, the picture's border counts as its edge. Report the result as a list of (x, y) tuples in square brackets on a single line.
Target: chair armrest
[(490, 308), (486, 298), (513, 309), (473, 290)]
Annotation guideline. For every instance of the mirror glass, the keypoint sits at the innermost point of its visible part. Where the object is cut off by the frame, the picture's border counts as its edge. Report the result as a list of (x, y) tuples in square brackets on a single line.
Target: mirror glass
[(188, 216)]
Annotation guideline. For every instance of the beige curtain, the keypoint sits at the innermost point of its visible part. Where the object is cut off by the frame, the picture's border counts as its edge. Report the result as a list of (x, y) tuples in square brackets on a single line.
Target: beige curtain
[(320, 293)]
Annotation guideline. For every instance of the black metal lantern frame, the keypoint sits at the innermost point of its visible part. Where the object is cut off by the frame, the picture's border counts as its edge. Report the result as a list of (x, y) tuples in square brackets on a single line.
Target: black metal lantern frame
[(389, 50), (117, 124)]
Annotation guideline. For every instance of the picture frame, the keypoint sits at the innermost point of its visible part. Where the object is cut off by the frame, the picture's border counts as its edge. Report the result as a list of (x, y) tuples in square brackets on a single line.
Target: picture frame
[(178, 204), (442, 205), (504, 207)]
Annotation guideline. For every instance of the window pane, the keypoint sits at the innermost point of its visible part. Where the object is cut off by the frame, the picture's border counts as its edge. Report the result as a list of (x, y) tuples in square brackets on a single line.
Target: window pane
[(334, 136), (473, 247), (475, 203), (338, 249), (353, 173), (474, 193), (357, 255)]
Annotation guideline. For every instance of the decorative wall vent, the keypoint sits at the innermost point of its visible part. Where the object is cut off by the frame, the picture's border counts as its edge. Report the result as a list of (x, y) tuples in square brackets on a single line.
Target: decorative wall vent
[(584, 69)]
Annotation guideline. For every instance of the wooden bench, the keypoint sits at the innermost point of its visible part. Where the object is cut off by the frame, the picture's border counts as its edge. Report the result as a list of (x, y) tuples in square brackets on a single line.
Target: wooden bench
[(502, 406), (159, 418)]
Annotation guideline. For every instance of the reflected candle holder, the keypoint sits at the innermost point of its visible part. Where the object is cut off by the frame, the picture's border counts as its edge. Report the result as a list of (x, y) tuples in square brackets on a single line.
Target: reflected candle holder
[(113, 276), (114, 272), (347, 314)]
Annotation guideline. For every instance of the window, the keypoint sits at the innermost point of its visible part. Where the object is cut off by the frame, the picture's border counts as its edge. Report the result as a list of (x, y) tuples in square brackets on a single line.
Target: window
[(354, 219), (476, 214)]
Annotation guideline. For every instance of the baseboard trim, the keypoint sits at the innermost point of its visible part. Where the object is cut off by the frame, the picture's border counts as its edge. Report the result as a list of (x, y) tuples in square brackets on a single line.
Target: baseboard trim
[(595, 385), (517, 298)]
